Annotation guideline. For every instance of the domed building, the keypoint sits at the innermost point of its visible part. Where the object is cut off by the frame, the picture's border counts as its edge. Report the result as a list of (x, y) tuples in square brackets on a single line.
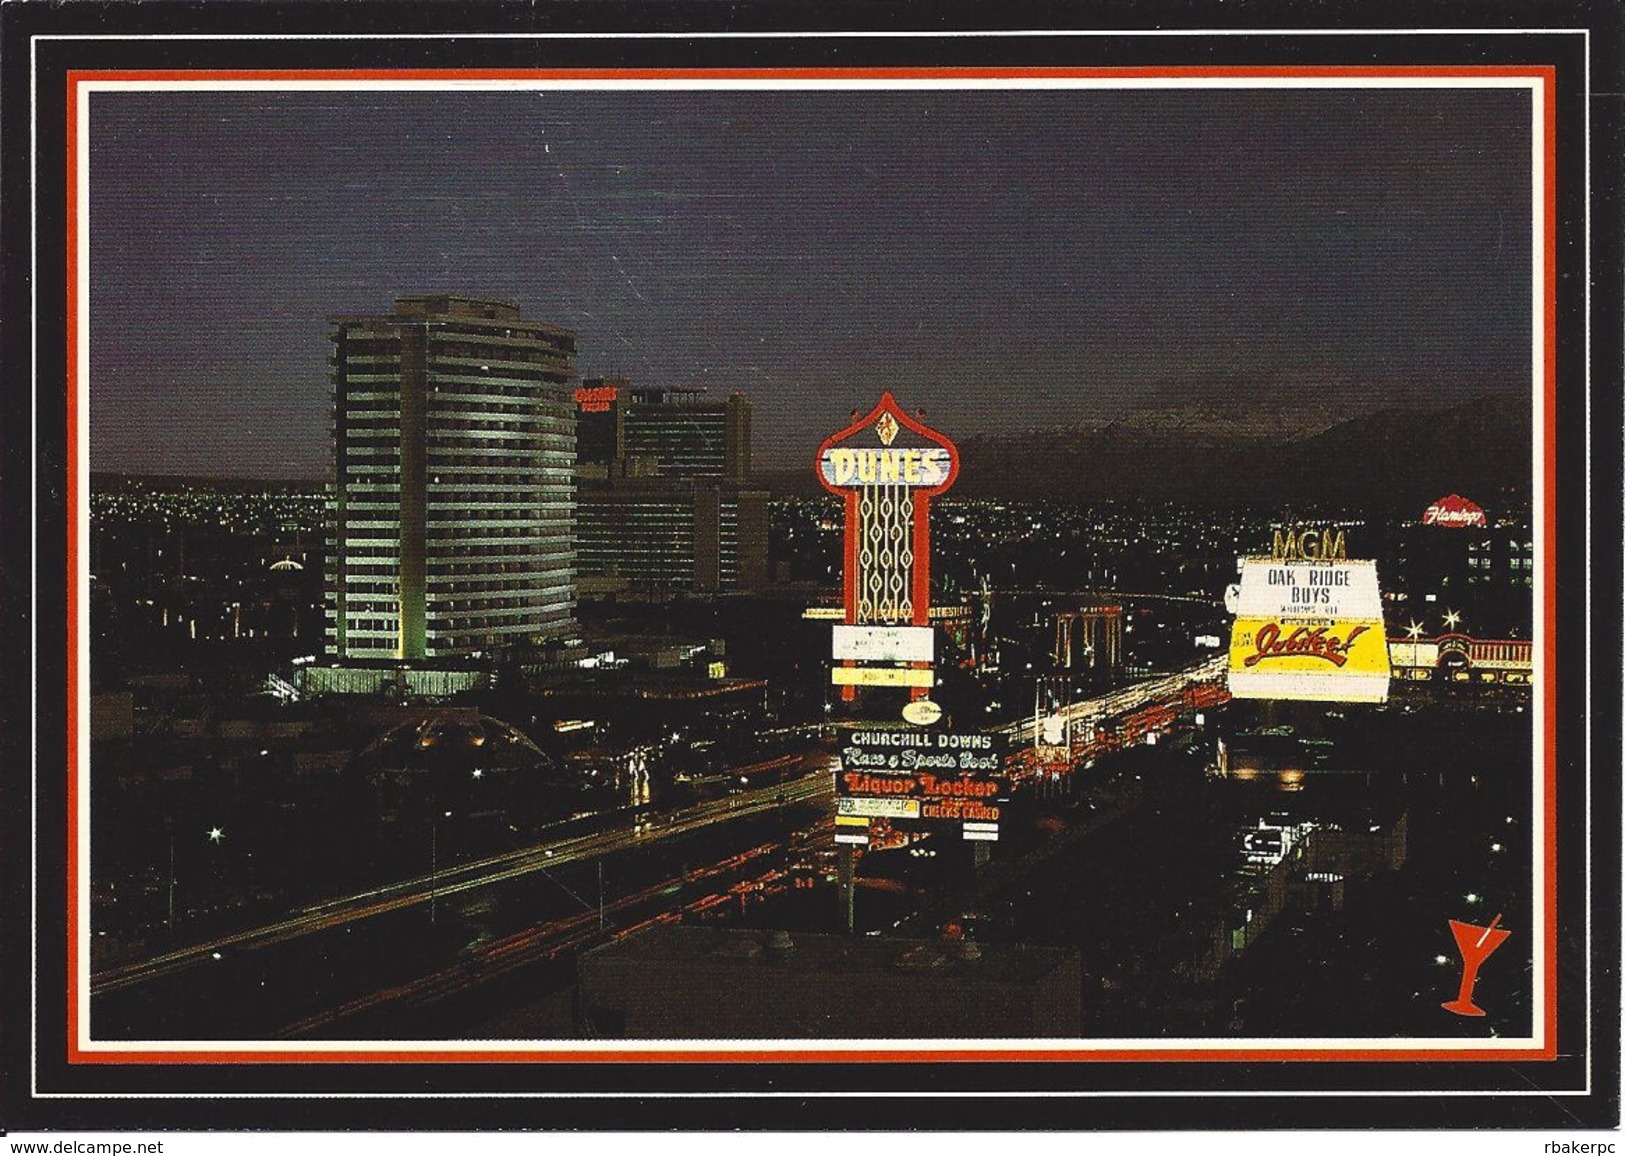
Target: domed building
[(474, 781)]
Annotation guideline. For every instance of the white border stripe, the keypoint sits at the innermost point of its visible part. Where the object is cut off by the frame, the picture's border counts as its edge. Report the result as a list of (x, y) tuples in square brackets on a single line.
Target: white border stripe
[(1282, 1044), (1541, 647), (33, 554), (271, 1048), (901, 34), (1591, 1031), (778, 84), (81, 386), (978, 1093)]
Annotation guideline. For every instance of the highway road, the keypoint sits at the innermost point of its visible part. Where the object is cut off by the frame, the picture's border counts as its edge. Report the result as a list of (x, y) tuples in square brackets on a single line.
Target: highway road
[(623, 915), (631, 830), (1109, 597), (1126, 700)]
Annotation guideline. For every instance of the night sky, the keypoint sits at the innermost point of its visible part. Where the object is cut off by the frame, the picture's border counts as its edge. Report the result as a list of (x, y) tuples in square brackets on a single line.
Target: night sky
[(1005, 260)]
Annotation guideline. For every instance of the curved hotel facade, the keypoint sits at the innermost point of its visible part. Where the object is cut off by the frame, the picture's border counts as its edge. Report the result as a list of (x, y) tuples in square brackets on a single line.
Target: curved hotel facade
[(450, 511)]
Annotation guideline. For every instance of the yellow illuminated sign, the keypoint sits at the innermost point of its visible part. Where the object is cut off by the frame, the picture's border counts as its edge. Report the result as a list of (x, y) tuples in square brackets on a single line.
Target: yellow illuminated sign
[(1270, 644), (851, 808), (1296, 543), (1309, 628), (880, 676), (1329, 661)]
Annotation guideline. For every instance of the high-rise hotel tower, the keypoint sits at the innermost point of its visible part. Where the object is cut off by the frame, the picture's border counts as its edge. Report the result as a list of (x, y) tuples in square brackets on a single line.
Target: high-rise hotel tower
[(665, 498), (450, 511)]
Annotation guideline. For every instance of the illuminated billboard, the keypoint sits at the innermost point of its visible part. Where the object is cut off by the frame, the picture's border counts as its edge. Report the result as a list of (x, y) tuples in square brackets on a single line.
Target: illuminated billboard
[(596, 398), (886, 466), (888, 447), (929, 797), (1456, 512), (942, 752), (1309, 630), (928, 466), (882, 676), (877, 807), (884, 643), (934, 778)]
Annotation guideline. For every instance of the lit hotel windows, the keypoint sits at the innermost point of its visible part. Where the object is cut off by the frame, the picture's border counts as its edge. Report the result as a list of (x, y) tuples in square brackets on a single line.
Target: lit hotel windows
[(454, 441)]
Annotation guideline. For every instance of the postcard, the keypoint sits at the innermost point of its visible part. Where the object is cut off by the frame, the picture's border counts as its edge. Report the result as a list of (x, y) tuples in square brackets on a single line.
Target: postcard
[(786, 564)]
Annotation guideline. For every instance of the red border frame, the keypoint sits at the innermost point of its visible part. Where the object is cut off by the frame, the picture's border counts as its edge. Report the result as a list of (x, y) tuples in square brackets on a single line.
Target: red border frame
[(1545, 75)]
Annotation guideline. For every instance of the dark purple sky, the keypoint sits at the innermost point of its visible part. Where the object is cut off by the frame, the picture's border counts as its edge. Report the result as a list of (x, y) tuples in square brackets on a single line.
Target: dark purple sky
[(1005, 260)]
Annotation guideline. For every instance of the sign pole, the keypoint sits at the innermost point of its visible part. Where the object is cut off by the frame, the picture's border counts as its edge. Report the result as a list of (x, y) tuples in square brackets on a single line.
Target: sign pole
[(844, 867)]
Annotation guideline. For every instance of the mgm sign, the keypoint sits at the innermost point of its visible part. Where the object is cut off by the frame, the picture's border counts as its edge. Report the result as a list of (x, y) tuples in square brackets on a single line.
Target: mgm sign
[(886, 467)]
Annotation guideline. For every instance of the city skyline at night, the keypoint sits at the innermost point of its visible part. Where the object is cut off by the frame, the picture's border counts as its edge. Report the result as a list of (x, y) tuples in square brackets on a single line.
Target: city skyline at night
[(987, 573)]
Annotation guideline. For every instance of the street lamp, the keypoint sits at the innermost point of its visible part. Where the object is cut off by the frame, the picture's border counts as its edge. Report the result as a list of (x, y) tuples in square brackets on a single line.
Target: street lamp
[(169, 828), (434, 862)]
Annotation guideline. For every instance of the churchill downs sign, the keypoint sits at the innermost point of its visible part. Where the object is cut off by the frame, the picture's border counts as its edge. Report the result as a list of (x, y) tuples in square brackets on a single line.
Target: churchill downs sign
[(932, 776)]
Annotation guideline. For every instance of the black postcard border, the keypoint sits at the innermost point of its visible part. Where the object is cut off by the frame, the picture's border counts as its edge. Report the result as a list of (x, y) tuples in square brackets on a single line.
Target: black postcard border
[(1220, 1095)]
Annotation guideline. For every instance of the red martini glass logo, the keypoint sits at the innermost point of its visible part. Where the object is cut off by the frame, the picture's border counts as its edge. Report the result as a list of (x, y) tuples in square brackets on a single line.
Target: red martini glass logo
[(1476, 944)]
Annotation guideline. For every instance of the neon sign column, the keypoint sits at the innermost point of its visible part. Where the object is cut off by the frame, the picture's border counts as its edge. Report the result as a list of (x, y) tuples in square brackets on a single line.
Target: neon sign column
[(887, 466)]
